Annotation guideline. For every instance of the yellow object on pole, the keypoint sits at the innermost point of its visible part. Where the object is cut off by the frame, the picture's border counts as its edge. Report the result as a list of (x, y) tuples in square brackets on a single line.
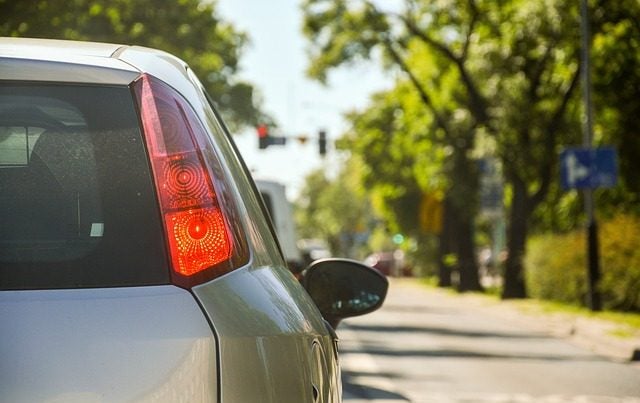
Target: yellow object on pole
[(430, 214)]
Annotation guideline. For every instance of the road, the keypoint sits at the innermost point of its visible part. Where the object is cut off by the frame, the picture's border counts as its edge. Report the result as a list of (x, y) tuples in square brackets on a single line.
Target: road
[(432, 346)]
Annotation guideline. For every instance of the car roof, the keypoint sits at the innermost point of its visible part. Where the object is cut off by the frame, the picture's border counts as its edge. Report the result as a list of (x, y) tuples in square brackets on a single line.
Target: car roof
[(87, 62), (40, 48)]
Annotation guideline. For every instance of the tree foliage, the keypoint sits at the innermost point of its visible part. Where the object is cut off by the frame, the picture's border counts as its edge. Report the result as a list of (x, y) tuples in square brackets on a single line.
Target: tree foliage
[(616, 80), (190, 29), (615, 57)]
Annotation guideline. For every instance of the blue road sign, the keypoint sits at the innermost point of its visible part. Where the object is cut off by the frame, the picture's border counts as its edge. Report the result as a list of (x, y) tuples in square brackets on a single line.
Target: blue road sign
[(588, 168)]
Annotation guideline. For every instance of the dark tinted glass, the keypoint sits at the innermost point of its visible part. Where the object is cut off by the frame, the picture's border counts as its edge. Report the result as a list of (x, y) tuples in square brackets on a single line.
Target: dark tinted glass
[(77, 205)]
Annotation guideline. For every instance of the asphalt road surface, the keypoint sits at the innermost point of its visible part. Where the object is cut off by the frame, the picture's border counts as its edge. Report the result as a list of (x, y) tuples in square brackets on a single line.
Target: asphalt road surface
[(431, 346)]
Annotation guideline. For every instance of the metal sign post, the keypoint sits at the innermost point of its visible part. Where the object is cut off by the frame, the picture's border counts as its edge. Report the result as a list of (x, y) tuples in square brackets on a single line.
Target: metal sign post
[(592, 227)]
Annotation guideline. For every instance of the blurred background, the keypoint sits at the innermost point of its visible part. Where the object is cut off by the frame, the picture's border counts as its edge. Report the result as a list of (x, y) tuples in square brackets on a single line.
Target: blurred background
[(440, 139)]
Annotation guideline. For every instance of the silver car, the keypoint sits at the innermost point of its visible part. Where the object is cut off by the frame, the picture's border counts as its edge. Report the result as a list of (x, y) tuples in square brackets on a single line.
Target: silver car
[(136, 262)]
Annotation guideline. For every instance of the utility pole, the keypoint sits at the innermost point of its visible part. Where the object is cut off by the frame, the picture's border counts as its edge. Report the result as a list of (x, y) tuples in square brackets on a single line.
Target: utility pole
[(593, 258)]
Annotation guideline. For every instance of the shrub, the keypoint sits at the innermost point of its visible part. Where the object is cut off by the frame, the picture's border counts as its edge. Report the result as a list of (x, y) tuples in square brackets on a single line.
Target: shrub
[(620, 262), (556, 267)]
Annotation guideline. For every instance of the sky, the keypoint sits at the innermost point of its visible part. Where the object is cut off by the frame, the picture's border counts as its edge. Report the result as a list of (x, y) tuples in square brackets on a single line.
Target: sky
[(275, 62)]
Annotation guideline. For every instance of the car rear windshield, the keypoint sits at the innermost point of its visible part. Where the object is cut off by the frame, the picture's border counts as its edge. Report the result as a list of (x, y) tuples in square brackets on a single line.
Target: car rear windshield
[(77, 204)]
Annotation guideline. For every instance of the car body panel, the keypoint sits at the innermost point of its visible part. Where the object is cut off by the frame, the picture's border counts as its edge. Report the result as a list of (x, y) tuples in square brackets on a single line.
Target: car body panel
[(151, 343), (164, 66), (270, 338)]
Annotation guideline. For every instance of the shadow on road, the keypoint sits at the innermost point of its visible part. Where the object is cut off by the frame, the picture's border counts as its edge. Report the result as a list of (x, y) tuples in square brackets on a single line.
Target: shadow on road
[(421, 309), (450, 353), (352, 390), (381, 348), (441, 331)]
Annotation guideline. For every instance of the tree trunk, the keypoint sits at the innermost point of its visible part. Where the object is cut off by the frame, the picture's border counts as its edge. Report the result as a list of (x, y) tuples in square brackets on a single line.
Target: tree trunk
[(465, 250), (444, 245), (514, 285), (464, 190)]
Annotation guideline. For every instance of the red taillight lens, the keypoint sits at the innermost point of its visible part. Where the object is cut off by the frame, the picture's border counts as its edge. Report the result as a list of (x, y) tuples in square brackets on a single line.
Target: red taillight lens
[(201, 242), (197, 239)]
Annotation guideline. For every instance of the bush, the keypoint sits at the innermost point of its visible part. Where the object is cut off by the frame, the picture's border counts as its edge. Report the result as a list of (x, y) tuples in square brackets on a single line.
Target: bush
[(556, 268), (620, 261)]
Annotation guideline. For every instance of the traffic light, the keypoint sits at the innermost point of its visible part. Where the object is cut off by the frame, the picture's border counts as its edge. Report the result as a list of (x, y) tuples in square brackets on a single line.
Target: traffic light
[(263, 137), (322, 142)]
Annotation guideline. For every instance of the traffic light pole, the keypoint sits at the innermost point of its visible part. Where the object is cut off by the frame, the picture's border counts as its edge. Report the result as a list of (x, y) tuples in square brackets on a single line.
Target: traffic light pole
[(593, 258)]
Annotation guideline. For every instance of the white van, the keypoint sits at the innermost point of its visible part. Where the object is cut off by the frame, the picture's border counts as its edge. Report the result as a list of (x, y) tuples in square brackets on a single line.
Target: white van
[(274, 196)]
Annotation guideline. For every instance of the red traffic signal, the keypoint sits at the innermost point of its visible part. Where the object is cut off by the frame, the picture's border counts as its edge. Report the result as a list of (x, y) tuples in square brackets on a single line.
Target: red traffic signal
[(263, 137), (263, 131)]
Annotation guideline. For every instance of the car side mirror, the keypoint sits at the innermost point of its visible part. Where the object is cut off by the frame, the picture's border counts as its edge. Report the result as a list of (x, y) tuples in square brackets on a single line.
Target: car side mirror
[(343, 288)]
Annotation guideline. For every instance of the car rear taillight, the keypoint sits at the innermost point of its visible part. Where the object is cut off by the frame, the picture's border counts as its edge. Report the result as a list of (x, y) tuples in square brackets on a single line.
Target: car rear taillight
[(200, 220)]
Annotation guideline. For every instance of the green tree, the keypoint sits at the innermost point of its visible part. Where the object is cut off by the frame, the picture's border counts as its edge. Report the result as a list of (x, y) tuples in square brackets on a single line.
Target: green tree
[(190, 29), (516, 62), (377, 138), (335, 210), (343, 32), (531, 64), (402, 165)]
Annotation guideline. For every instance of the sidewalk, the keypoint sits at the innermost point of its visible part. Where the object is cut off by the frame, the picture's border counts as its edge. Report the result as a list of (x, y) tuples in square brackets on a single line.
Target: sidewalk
[(597, 335)]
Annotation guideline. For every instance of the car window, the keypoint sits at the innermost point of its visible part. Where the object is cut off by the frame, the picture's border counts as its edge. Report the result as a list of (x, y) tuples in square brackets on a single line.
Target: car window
[(77, 206)]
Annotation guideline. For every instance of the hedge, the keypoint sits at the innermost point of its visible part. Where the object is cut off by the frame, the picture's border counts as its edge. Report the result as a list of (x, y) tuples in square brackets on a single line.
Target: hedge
[(556, 270)]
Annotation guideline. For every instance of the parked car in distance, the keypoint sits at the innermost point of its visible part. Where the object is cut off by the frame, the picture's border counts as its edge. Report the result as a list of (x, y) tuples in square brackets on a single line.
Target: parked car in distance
[(390, 263), (136, 260)]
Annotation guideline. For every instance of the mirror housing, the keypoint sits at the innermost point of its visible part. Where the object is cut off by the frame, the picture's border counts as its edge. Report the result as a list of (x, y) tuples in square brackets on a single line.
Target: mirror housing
[(343, 288)]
